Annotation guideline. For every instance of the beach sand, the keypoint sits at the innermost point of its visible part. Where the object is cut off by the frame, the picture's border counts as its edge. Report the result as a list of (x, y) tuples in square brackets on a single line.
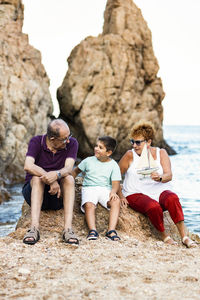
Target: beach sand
[(102, 269)]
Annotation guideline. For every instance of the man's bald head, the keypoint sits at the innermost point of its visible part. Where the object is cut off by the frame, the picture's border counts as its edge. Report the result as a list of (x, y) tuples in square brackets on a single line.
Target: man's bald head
[(55, 127)]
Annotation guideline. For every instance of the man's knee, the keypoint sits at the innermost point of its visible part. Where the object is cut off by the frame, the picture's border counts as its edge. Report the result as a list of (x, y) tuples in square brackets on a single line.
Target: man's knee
[(68, 180), (36, 180)]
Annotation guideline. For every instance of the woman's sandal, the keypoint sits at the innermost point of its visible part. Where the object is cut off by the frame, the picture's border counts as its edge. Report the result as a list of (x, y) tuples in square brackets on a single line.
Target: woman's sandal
[(188, 242), (168, 240), (32, 236), (114, 237), (69, 237), (92, 235)]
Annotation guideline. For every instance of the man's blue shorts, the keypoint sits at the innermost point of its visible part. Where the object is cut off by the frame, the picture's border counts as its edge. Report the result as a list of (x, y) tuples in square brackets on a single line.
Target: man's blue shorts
[(50, 202)]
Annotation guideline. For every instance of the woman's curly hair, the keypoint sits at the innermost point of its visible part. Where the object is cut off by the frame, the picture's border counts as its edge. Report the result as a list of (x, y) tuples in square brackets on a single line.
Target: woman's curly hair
[(144, 128)]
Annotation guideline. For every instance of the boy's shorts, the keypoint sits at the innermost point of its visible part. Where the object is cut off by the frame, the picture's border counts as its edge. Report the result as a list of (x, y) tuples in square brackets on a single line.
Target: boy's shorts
[(50, 202), (95, 194)]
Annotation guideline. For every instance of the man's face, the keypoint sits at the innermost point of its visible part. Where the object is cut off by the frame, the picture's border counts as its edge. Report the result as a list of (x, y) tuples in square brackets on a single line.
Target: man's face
[(61, 141)]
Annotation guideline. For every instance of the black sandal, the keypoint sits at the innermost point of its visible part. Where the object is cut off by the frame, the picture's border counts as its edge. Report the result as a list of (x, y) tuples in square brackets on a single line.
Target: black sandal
[(113, 237), (92, 235)]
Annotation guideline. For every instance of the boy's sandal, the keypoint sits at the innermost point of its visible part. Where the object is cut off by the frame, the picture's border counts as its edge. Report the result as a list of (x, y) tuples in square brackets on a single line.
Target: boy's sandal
[(188, 242), (92, 235), (168, 240), (69, 237), (32, 236), (114, 237)]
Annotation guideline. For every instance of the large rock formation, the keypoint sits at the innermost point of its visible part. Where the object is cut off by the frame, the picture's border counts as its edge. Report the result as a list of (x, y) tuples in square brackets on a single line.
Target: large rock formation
[(25, 101), (112, 81)]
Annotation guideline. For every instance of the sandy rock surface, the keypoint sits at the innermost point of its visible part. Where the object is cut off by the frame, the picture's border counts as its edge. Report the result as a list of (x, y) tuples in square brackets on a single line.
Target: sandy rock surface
[(140, 266)]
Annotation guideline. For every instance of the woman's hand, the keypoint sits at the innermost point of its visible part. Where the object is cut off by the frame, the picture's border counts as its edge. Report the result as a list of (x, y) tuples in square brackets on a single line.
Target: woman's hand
[(124, 202), (155, 176)]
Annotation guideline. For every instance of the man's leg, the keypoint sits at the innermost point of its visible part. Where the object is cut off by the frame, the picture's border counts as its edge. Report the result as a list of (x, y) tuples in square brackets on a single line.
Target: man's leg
[(36, 200), (33, 194), (68, 192)]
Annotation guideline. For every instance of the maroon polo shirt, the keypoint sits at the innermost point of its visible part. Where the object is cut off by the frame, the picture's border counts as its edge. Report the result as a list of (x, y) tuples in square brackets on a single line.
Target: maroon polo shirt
[(46, 159)]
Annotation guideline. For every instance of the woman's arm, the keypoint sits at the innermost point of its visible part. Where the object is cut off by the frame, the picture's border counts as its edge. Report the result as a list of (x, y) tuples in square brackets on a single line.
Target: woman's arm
[(125, 161), (124, 164), (166, 165)]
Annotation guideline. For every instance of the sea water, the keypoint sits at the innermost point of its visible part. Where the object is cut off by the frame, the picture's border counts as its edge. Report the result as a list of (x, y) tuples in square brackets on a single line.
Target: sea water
[(185, 140)]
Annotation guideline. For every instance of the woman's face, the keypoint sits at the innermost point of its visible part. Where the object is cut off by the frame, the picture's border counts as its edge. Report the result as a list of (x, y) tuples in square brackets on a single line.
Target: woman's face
[(138, 143)]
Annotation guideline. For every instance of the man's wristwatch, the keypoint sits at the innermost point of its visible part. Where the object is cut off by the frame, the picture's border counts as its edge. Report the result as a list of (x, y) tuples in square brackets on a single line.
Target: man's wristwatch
[(59, 174), (160, 178)]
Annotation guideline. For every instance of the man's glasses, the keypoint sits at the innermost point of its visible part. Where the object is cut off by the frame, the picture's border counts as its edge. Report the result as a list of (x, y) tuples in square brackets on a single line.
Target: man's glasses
[(137, 142), (65, 140)]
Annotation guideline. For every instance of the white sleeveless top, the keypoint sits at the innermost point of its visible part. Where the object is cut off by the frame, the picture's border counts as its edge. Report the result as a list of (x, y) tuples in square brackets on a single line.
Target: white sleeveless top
[(134, 184)]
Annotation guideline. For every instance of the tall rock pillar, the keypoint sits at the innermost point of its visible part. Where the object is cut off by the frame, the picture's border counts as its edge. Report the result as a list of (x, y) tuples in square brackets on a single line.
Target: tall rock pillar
[(112, 81)]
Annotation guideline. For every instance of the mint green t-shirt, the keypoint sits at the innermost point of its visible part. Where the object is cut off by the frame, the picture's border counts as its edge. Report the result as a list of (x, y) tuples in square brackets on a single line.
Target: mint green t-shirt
[(99, 173)]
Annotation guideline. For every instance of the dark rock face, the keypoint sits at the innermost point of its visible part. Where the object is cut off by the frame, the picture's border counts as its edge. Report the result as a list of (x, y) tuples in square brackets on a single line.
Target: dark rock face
[(112, 81)]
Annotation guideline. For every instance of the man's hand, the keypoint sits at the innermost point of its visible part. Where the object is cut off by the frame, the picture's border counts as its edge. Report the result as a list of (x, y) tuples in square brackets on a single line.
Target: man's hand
[(113, 196), (55, 189), (124, 202), (49, 177)]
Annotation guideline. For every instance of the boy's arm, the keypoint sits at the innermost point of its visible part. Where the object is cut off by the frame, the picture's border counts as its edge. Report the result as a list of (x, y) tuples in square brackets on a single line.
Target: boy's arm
[(75, 172), (114, 190)]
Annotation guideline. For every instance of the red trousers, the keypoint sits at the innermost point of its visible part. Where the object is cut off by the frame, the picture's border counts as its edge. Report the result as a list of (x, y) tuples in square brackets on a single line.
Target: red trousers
[(154, 210)]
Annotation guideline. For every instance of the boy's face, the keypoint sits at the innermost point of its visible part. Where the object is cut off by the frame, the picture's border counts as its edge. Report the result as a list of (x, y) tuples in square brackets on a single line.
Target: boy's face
[(100, 150)]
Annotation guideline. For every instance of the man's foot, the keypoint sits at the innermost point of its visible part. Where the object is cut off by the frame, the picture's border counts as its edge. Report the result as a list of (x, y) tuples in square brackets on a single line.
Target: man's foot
[(112, 235), (69, 237), (92, 235), (188, 242), (32, 236), (169, 240)]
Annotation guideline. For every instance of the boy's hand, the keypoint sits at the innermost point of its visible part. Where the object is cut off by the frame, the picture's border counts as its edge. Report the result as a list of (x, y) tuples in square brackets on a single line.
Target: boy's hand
[(124, 202), (113, 196)]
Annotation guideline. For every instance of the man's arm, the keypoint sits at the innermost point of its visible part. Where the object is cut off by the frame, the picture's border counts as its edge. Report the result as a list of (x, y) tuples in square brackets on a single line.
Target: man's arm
[(50, 177), (32, 168)]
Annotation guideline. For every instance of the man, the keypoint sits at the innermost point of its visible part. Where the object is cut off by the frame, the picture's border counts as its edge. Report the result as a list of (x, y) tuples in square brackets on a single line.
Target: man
[(49, 160)]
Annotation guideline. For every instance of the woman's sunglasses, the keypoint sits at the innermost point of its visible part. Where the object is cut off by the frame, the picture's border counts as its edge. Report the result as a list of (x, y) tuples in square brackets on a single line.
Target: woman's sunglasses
[(137, 142)]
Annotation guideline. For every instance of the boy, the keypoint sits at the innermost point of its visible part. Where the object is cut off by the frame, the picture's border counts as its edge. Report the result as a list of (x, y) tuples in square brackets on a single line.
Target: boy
[(100, 184)]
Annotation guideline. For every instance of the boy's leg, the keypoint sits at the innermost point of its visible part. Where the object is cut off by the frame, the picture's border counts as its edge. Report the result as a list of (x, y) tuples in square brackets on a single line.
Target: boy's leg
[(90, 215), (114, 206)]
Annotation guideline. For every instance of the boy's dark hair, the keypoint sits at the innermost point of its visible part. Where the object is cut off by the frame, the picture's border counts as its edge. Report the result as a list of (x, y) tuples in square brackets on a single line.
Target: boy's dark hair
[(108, 142)]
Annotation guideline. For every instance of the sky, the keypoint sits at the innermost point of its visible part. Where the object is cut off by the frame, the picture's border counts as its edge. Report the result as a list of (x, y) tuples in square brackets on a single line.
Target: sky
[(56, 27)]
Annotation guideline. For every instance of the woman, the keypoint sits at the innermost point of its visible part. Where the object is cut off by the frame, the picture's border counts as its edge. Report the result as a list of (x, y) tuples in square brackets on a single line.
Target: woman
[(153, 194)]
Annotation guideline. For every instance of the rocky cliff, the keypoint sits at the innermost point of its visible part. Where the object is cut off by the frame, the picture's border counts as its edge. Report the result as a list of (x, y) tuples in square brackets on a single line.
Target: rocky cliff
[(25, 101), (112, 81)]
